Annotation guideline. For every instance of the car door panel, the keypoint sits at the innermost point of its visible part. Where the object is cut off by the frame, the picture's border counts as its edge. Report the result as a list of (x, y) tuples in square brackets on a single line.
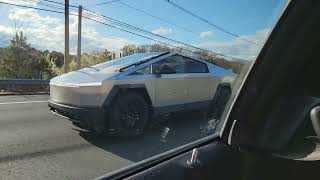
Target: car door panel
[(198, 90), (171, 89), (215, 161), (202, 87), (218, 161)]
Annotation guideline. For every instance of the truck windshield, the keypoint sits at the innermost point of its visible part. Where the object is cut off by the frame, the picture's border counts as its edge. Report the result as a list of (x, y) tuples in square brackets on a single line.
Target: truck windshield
[(116, 64)]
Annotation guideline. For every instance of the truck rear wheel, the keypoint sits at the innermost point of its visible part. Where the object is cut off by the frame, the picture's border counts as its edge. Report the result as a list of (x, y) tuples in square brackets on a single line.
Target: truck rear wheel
[(129, 115)]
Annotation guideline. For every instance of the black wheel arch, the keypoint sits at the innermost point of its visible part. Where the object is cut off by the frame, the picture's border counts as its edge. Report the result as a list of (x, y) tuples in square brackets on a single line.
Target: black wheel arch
[(123, 88)]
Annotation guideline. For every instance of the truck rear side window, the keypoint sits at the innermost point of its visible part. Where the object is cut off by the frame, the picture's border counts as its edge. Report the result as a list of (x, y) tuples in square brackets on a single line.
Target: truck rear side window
[(194, 66)]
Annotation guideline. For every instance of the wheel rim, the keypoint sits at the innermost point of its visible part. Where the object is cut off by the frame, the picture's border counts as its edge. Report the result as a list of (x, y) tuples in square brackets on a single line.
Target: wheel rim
[(131, 115)]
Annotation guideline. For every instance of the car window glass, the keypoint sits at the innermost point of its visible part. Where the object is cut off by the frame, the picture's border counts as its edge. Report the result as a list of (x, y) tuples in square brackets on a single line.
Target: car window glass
[(176, 62), (143, 71), (194, 66), (69, 109)]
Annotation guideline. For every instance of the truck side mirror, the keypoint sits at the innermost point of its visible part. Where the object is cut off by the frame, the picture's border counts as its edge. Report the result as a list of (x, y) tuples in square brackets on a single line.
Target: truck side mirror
[(156, 70)]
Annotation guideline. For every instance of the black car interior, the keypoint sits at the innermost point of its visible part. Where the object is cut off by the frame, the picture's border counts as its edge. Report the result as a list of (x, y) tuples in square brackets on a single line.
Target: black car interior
[(269, 133)]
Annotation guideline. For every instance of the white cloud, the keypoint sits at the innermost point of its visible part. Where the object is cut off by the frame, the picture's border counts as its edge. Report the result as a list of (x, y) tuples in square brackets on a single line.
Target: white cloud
[(205, 34), (31, 16), (45, 32), (239, 47), (162, 31), (22, 2), (6, 30)]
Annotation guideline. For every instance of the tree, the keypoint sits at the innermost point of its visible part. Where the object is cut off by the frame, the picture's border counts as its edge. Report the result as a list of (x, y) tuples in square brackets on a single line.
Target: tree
[(131, 49), (91, 59), (57, 58), (14, 61), (159, 48), (204, 55), (105, 55), (54, 70), (21, 61), (73, 64), (128, 50), (142, 48)]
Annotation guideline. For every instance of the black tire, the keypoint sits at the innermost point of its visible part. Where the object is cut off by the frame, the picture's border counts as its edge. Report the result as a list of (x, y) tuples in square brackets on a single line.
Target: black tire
[(129, 115)]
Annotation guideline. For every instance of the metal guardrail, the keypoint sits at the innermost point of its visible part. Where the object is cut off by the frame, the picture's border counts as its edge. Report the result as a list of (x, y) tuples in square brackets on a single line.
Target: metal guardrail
[(23, 86), (24, 82)]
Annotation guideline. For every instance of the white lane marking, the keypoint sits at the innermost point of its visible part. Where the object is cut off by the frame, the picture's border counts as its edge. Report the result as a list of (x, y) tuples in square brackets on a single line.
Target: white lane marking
[(24, 102)]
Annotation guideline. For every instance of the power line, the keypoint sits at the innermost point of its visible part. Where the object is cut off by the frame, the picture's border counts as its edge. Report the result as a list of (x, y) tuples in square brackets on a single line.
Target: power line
[(121, 24), (24, 6), (181, 48), (150, 33), (48, 10), (142, 30), (161, 19), (44, 4), (126, 26), (107, 2), (55, 2), (144, 12), (142, 36), (208, 22), (99, 4)]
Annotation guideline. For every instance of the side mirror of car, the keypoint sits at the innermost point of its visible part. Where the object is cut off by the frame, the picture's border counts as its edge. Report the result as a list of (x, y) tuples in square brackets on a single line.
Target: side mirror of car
[(156, 71)]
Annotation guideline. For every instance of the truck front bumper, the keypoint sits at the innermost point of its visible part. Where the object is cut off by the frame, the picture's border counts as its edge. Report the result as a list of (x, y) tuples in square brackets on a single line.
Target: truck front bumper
[(85, 115)]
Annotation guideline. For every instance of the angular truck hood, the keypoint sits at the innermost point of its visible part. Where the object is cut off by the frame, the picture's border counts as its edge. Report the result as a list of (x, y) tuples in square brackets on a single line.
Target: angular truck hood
[(83, 77)]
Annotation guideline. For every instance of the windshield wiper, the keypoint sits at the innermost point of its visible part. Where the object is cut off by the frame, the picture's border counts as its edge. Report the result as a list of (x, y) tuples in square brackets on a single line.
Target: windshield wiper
[(143, 61)]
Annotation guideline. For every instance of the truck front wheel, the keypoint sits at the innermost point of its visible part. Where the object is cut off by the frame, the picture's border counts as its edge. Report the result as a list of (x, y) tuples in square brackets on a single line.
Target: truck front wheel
[(129, 114)]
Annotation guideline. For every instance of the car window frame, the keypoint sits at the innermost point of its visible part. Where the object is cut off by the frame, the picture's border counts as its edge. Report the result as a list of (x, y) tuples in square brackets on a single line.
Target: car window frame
[(133, 69), (184, 66), (223, 132)]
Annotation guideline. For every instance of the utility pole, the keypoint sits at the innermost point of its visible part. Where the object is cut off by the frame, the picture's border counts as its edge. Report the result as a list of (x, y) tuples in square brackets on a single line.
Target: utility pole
[(79, 38), (66, 35)]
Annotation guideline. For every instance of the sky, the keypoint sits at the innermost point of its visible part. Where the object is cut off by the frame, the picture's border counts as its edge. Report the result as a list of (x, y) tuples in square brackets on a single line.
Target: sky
[(250, 20)]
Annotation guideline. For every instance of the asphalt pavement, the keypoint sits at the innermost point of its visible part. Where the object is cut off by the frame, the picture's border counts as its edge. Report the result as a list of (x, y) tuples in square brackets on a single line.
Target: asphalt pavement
[(35, 144)]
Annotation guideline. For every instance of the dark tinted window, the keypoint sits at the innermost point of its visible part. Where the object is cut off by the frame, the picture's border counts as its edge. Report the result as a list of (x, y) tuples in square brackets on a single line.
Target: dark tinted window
[(176, 62), (194, 66), (183, 64)]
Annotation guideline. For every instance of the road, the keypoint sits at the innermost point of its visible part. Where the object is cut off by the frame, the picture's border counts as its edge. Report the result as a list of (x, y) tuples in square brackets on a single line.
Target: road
[(35, 144)]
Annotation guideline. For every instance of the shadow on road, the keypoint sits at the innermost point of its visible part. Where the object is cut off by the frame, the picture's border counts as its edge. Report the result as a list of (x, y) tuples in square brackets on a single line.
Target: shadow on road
[(43, 152), (184, 128)]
